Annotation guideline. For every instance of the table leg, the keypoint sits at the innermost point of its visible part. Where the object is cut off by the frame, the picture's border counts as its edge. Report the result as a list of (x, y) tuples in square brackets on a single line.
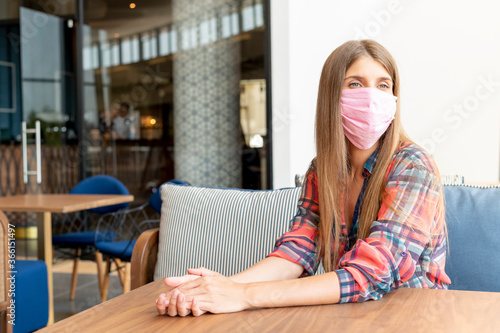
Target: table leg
[(44, 224)]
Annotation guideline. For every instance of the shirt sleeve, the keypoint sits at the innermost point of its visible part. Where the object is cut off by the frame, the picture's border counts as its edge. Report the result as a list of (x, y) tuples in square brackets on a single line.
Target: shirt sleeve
[(388, 256), (297, 244)]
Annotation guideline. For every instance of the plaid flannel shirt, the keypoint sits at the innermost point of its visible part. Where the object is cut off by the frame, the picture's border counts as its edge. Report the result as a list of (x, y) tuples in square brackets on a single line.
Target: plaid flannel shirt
[(404, 247)]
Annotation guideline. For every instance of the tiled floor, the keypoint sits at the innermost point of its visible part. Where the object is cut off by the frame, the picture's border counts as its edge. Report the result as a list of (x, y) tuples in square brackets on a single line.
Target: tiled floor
[(87, 290)]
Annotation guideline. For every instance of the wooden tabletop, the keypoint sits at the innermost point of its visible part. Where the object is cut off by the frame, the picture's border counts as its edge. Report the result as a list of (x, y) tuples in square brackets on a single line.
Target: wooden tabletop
[(59, 203), (408, 310)]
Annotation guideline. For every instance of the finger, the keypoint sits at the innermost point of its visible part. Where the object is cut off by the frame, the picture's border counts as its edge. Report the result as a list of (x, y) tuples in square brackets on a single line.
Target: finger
[(176, 281), (172, 306), (161, 304), (195, 308), (189, 286), (182, 309), (202, 271), (168, 294)]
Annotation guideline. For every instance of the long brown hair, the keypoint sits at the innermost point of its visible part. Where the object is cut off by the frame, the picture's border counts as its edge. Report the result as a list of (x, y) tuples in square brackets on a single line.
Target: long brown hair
[(332, 159)]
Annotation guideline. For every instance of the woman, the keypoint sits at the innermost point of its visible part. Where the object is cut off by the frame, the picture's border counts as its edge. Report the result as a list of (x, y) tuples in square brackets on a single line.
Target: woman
[(371, 208)]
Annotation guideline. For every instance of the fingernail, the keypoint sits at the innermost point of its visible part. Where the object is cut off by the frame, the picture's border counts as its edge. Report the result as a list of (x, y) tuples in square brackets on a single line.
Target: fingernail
[(159, 301), (181, 298), (195, 302), (167, 302)]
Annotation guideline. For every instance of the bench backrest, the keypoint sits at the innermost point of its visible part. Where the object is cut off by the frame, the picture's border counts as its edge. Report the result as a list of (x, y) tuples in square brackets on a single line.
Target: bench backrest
[(473, 219), (225, 230)]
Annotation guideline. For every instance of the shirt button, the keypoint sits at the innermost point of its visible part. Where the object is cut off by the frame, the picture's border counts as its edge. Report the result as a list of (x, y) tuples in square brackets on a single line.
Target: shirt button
[(403, 254)]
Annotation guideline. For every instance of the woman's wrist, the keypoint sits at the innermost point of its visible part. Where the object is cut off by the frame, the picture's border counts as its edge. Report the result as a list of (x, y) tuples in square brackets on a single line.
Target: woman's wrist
[(262, 294), (250, 295)]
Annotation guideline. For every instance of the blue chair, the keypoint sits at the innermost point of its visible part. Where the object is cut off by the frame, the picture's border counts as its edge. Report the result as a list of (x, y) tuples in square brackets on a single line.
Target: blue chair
[(473, 220), (31, 296), (80, 232), (120, 235), (29, 290)]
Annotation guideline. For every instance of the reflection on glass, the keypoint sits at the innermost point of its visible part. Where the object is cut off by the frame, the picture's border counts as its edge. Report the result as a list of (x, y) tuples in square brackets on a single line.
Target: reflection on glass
[(126, 51), (173, 41), (48, 89), (208, 31), (149, 45), (253, 111), (248, 18), (164, 42), (8, 84), (134, 47), (132, 67)]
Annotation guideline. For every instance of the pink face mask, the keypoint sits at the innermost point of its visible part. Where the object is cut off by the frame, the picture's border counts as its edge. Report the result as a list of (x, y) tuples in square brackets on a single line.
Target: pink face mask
[(366, 115)]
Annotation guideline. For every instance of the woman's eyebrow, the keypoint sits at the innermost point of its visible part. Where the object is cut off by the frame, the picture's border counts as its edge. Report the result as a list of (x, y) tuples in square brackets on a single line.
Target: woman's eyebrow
[(357, 77), (354, 77)]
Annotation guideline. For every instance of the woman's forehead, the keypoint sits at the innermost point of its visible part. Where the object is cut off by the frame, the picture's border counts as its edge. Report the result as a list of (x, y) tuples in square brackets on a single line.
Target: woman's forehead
[(367, 67)]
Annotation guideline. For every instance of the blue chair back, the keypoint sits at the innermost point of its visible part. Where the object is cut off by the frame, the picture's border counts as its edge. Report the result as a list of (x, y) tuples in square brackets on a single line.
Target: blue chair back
[(102, 184), (473, 219), (155, 198), (31, 296)]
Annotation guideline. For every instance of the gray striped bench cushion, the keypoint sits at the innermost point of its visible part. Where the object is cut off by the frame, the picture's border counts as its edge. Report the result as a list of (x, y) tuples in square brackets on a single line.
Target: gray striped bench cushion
[(225, 230)]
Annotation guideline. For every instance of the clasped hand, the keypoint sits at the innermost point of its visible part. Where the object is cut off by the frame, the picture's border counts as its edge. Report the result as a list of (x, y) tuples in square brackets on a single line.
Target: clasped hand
[(202, 290)]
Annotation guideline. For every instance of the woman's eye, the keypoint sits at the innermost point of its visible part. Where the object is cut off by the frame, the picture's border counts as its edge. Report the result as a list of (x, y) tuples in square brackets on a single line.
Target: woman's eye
[(384, 86), (354, 84)]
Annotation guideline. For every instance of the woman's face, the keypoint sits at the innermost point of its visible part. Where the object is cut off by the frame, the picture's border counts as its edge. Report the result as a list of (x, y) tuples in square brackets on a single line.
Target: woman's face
[(367, 72)]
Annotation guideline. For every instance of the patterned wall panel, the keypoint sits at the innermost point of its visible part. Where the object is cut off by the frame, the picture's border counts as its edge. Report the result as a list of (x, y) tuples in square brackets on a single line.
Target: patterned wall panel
[(207, 134)]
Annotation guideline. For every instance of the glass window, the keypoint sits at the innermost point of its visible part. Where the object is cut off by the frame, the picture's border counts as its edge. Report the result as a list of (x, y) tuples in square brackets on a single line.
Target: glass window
[(115, 53), (135, 48), (106, 54), (180, 91), (126, 50), (164, 42)]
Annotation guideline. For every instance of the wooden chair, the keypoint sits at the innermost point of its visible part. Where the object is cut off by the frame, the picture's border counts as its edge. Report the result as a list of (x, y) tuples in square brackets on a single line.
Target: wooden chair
[(144, 258), (4, 285)]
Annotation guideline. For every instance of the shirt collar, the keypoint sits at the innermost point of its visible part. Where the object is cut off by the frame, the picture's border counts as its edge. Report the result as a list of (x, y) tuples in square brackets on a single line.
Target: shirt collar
[(370, 163)]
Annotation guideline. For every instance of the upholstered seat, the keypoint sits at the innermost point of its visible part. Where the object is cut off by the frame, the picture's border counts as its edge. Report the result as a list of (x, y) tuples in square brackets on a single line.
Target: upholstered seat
[(31, 296), (121, 250), (81, 238), (473, 219)]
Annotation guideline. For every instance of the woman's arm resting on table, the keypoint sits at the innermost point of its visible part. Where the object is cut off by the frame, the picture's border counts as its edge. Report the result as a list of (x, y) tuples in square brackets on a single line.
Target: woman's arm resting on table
[(219, 294), (268, 269)]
